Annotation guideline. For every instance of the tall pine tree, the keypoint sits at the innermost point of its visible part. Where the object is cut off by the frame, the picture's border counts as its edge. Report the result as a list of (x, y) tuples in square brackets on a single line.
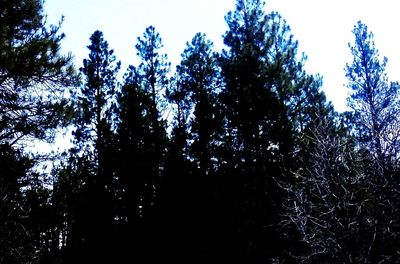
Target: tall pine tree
[(375, 117), (142, 142), (269, 99), (152, 78), (93, 139), (33, 78), (374, 99), (190, 182), (252, 111)]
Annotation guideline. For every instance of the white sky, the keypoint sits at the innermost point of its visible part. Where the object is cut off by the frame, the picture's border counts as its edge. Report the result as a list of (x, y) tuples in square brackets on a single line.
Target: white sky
[(322, 27)]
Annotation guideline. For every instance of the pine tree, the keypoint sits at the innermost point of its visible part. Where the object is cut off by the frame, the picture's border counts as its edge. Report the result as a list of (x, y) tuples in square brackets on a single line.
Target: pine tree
[(374, 100), (252, 109), (94, 98), (27, 223), (70, 205), (269, 102), (142, 143), (153, 69), (152, 78), (94, 139), (192, 164), (34, 75), (375, 118), (195, 95), (135, 160)]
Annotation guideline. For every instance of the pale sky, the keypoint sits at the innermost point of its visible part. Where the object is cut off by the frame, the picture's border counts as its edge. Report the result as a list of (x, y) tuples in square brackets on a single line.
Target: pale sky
[(322, 27)]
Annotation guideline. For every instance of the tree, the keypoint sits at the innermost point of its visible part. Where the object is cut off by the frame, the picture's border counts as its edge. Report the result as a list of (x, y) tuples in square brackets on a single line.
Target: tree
[(153, 69), (188, 202), (33, 73), (375, 119), (374, 100), (195, 95), (328, 201), (152, 78), (298, 94), (15, 237), (70, 204), (199, 75), (95, 98), (26, 217), (94, 139), (268, 98), (248, 103), (142, 141), (135, 161), (34, 76)]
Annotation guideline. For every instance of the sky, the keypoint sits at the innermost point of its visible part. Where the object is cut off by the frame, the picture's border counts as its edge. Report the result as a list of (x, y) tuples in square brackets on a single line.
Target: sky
[(322, 27)]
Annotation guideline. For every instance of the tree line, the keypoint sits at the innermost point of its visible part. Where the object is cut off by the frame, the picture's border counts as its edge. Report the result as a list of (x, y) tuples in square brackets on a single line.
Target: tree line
[(233, 156)]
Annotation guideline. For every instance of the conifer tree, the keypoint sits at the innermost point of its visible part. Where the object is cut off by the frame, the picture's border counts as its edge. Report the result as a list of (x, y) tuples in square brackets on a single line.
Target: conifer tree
[(94, 139), (269, 99), (152, 79), (251, 108), (142, 142), (135, 161), (16, 245), (34, 75), (192, 164), (375, 116), (374, 99), (195, 94)]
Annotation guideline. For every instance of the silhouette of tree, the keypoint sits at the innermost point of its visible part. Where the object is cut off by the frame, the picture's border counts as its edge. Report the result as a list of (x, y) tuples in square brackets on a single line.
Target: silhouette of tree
[(267, 106), (33, 79), (236, 157), (33, 75), (142, 142), (374, 118), (16, 243), (188, 201), (94, 140), (374, 99), (71, 208), (151, 77)]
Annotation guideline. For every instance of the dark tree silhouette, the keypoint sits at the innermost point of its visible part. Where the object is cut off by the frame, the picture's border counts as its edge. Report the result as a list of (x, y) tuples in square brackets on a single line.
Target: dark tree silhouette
[(267, 98), (188, 200), (16, 245), (235, 157), (375, 118), (33, 73), (94, 141), (142, 143), (33, 78)]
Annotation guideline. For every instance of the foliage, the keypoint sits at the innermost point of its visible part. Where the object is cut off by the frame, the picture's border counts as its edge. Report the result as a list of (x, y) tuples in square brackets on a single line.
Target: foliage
[(33, 73), (329, 199), (235, 157), (26, 219), (34, 77), (374, 99), (94, 99)]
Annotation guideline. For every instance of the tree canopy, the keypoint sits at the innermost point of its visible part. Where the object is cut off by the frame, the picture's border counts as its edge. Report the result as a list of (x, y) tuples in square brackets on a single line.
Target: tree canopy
[(33, 73), (233, 156)]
